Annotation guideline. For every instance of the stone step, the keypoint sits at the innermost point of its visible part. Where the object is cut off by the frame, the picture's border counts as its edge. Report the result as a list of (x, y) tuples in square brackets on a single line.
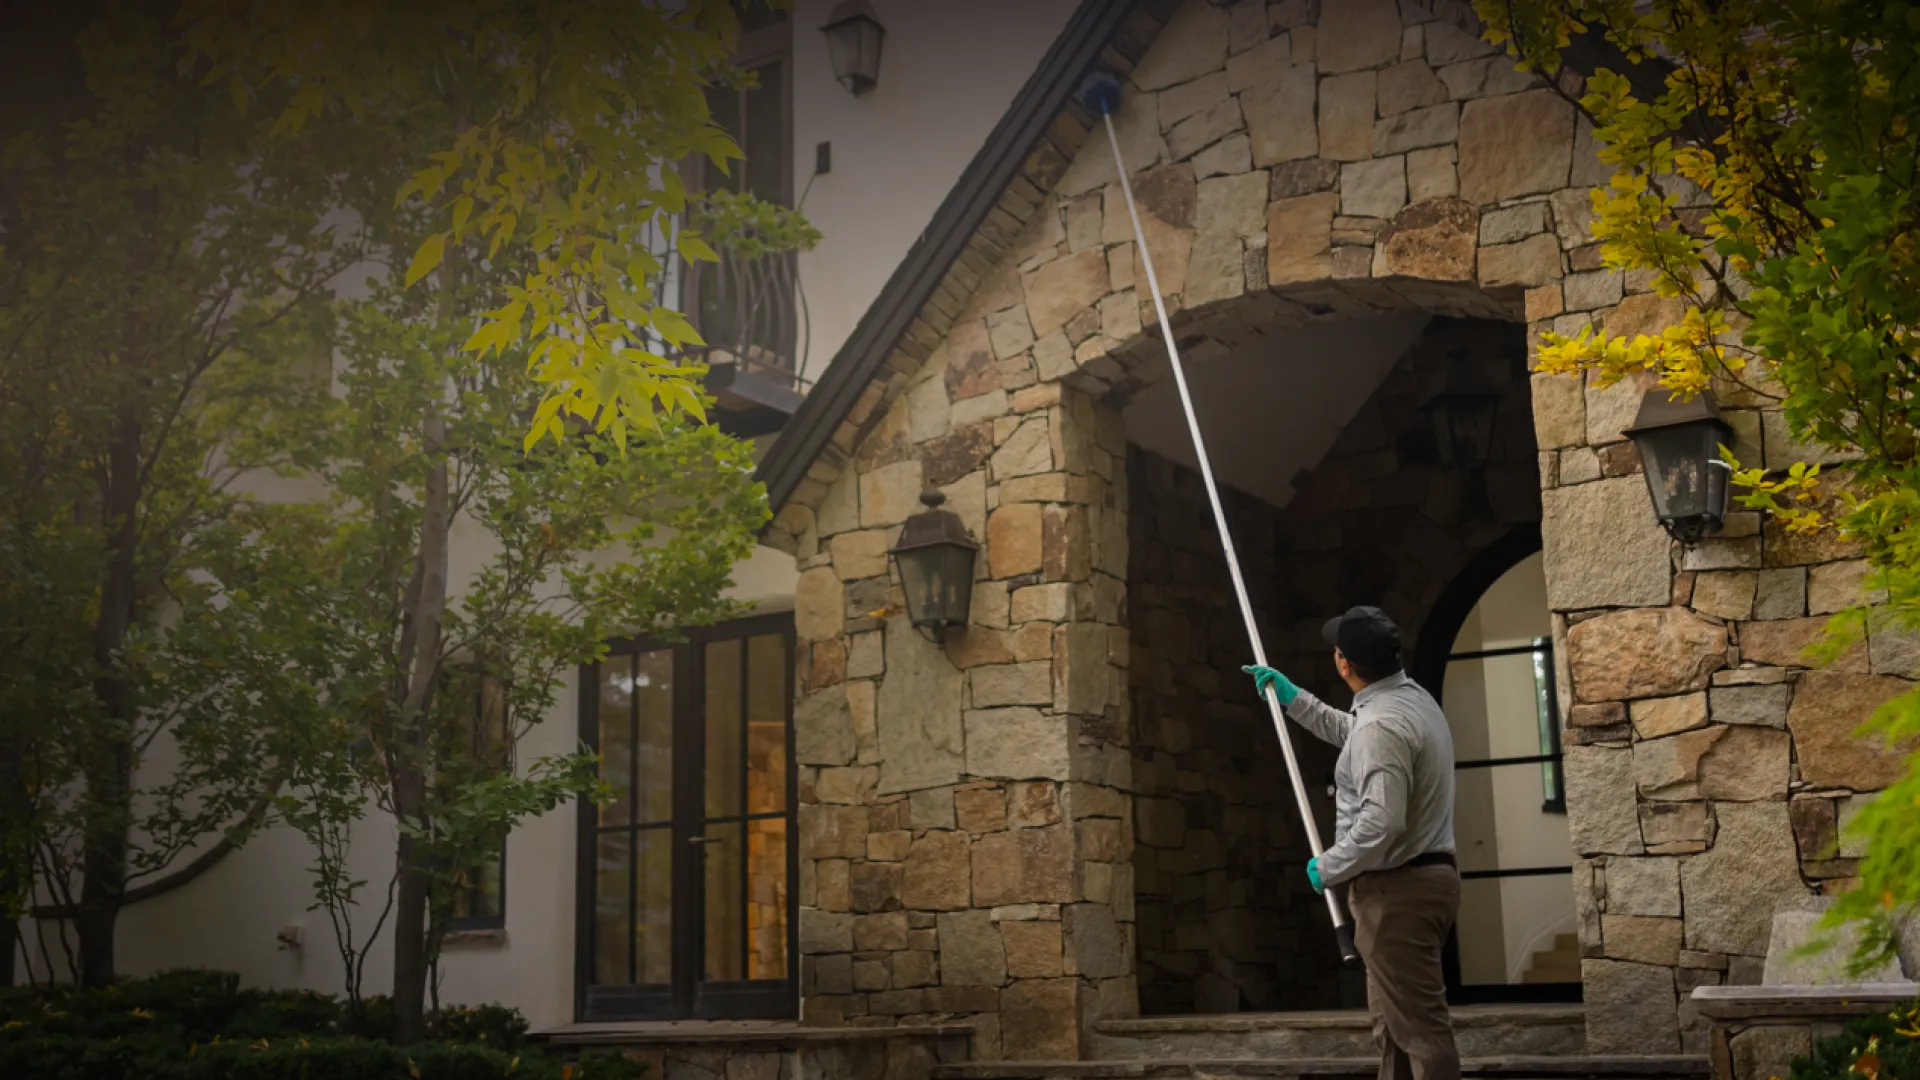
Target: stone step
[(1482, 1031), (1510, 1067), (1522, 1067)]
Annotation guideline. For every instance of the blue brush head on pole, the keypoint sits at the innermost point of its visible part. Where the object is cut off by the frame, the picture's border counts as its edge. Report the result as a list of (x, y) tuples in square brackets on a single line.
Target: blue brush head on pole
[(1100, 92)]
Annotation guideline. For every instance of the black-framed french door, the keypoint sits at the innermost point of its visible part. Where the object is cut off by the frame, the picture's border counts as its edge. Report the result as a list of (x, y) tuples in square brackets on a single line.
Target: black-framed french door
[(686, 887), (1547, 977)]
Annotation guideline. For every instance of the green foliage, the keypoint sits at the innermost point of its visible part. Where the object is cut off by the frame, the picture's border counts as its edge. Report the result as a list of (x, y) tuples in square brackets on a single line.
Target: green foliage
[(451, 580), (200, 1025), (150, 241), (1885, 1044), (558, 129), (1771, 187)]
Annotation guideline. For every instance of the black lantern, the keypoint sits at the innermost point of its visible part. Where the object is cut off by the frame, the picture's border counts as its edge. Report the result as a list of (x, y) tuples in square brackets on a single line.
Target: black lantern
[(935, 554), (1462, 414), (853, 37), (1679, 444)]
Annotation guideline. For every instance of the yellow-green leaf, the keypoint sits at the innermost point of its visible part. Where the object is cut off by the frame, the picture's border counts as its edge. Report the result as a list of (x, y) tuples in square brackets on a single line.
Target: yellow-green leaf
[(427, 258)]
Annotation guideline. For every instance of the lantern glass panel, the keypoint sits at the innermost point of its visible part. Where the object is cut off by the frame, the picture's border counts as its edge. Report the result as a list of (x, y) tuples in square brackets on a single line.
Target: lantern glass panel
[(1682, 476), (938, 583), (855, 46)]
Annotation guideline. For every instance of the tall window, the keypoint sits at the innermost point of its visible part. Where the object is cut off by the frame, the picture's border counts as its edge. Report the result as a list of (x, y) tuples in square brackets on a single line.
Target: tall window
[(480, 897), (687, 896)]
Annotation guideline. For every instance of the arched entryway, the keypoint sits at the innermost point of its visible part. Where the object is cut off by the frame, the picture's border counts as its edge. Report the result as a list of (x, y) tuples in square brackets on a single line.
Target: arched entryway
[(1486, 651)]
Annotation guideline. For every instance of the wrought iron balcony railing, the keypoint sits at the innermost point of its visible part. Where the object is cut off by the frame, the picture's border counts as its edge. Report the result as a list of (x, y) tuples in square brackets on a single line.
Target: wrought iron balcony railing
[(753, 315)]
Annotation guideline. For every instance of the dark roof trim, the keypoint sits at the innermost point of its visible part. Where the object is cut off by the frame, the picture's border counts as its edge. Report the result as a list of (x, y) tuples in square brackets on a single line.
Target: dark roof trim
[(1047, 91)]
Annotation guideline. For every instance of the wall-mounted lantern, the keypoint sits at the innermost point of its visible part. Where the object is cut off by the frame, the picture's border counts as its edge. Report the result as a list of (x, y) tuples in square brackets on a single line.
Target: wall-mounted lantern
[(1462, 414), (1679, 444), (854, 34), (935, 554)]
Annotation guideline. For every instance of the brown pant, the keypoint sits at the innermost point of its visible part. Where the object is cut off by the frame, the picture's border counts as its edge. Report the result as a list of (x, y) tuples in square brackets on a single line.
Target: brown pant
[(1400, 921)]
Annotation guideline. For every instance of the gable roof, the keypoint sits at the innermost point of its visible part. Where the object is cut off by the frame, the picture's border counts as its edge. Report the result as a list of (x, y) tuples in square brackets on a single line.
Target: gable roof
[(975, 225)]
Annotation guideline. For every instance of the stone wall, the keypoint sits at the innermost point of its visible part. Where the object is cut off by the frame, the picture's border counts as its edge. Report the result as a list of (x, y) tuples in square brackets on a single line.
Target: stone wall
[(966, 809), (1227, 921), (1709, 766), (965, 828)]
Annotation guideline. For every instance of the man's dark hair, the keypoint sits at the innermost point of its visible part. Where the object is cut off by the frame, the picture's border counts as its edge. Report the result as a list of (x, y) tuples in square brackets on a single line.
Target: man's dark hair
[(1369, 640), (1374, 669)]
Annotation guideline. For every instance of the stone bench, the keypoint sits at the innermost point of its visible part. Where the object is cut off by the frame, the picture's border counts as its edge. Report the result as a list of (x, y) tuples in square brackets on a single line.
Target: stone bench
[(1759, 1030)]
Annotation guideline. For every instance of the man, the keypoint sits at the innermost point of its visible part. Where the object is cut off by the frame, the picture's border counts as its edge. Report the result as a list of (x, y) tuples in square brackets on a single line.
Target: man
[(1393, 841)]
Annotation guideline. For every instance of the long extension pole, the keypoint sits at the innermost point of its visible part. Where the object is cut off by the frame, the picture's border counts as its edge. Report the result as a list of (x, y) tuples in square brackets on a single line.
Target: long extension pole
[(1342, 926)]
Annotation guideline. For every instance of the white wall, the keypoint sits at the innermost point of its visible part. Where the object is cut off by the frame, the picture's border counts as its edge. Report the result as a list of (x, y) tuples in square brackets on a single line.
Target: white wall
[(948, 71)]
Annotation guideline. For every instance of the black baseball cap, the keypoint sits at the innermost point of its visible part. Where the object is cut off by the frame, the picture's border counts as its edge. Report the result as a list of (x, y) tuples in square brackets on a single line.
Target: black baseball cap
[(1366, 636)]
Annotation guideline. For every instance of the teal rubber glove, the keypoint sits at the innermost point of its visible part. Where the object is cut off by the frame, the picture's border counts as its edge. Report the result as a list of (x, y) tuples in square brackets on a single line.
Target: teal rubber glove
[(1313, 875), (1264, 677)]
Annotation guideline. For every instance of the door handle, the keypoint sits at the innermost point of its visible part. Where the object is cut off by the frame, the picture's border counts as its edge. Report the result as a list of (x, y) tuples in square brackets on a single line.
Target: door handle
[(705, 839)]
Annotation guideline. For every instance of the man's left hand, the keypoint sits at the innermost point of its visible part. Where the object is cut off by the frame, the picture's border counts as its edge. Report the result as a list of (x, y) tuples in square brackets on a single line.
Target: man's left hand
[(1313, 875)]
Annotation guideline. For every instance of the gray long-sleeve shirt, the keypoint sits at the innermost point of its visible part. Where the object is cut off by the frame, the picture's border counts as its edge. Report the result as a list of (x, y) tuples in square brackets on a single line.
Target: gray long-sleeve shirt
[(1393, 786)]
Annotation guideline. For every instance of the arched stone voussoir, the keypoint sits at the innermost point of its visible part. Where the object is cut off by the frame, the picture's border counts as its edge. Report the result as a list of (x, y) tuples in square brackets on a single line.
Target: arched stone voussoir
[(1226, 326)]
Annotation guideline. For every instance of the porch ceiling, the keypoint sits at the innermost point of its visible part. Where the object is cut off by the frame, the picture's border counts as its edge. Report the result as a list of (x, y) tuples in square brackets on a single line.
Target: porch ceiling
[(1273, 405)]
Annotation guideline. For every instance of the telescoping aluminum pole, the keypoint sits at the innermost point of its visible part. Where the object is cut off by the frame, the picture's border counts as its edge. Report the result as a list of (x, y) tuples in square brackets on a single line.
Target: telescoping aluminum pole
[(1101, 94)]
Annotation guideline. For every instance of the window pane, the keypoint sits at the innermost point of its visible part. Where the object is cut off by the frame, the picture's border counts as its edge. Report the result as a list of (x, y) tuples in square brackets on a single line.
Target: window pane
[(653, 917), (723, 728), (766, 724), (1493, 706), (653, 687), (724, 104), (612, 890), (478, 900), (1518, 930), (766, 164), (1500, 822), (723, 882), (616, 737), (767, 899)]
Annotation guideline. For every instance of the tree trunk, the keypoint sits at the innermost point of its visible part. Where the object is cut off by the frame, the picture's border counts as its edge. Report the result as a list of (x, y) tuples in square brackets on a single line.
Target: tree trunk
[(109, 764), (420, 651)]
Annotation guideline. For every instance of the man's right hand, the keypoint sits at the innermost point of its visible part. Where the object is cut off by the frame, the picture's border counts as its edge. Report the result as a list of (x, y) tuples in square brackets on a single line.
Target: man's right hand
[(1264, 677)]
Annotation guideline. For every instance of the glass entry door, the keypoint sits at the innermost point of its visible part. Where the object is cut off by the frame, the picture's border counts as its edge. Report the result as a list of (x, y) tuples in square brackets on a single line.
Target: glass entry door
[(687, 874), (1516, 937)]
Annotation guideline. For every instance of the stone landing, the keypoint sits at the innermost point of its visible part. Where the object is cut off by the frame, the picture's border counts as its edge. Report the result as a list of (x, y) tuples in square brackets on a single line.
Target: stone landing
[(1481, 1030), (1512, 1041)]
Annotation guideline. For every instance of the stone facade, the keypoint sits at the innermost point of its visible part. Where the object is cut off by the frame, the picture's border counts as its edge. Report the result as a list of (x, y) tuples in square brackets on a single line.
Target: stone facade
[(969, 828), (1226, 920)]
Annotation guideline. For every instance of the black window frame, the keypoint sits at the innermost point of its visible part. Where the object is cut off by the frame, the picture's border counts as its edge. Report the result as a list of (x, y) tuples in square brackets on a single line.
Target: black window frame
[(687, 996)]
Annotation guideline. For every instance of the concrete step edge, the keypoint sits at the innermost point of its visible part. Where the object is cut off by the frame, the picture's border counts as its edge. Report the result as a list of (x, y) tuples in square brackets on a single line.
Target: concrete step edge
[(1532, 1016), (1567, 1067)]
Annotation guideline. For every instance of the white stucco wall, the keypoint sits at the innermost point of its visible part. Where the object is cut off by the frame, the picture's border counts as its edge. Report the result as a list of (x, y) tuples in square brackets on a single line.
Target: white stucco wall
[(230, 917), (948, 71)]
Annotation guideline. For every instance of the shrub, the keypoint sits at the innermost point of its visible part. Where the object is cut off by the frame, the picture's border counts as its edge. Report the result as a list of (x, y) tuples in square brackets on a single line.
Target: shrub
[(1870, 1048), (202, 1025)]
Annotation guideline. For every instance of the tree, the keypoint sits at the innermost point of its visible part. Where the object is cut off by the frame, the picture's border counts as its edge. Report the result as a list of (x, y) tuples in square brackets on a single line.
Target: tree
[(429, 671), (1766, 155), (149, 242), (567, 123)]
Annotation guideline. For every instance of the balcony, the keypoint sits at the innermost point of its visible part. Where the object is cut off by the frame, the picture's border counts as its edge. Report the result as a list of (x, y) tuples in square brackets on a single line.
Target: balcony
[(750, 309)]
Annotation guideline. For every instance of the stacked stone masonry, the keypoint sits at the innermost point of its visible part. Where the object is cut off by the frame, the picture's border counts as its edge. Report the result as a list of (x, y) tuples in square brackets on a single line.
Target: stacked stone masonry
[(969, 818)]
